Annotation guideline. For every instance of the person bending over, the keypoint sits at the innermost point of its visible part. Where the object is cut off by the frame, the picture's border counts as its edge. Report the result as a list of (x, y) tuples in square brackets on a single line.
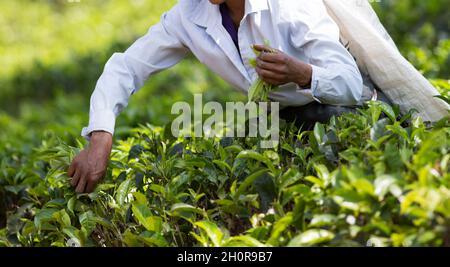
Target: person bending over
[(315, 74)]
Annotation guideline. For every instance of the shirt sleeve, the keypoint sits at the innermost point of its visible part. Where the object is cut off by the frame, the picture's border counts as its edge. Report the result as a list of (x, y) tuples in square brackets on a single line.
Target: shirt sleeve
[(336, 79), (125, 73)]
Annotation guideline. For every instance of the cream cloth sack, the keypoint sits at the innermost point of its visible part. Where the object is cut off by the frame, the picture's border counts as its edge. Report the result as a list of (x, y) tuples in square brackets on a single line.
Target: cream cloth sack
[(377, 56)]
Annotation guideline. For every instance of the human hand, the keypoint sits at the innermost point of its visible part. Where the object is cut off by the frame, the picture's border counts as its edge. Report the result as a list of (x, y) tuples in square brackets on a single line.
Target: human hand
[(89, 166), (278, 68)]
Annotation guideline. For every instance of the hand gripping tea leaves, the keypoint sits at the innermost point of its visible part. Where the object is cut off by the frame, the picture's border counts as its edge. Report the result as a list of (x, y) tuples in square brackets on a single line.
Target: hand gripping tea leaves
[(259, 91)]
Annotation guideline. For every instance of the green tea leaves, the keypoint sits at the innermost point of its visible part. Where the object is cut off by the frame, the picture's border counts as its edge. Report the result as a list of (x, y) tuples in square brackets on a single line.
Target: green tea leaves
[(143, 214), (259, 90), (311, 237), (123, 191), (212, 233), (358, 180)]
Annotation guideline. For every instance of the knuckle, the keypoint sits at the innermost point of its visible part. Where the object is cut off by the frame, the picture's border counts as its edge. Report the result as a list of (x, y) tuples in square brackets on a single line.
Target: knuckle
[(84, 174), (74, 163), (90, 179)]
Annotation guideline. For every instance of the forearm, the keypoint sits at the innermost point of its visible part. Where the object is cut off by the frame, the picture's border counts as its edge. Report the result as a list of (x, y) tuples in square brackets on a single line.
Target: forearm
[(337, 84), (303, 75), (125, 73), (101, 138), (335, 77)]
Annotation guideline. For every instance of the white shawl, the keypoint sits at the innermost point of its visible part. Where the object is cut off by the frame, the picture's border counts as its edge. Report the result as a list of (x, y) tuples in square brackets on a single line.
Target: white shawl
[(377, 56)]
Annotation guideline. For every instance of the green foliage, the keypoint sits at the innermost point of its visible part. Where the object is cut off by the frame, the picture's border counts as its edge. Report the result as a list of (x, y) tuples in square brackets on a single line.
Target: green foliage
[(51, 45), (421, 30), (363, 179), (259, 90), (366, 179)]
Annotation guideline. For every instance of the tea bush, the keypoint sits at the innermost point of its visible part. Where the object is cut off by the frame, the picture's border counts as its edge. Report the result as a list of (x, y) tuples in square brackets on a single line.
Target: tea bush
[(362, 179), (367, 179)]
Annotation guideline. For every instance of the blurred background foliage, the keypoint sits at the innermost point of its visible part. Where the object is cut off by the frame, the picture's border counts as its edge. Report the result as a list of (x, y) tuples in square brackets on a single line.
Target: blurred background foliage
[(421, 30), (53, 51)]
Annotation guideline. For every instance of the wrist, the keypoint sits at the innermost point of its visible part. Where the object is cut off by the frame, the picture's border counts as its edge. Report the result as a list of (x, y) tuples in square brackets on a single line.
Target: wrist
[(101, 137), (304, 76)]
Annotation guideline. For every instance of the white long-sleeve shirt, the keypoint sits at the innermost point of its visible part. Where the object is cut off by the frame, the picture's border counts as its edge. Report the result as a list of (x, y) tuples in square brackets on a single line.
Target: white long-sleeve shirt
[(300, 28)]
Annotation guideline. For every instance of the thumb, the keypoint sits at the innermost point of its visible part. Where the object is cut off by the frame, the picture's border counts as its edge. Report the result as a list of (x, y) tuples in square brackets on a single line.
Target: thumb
[(262, 48), (71, 170)]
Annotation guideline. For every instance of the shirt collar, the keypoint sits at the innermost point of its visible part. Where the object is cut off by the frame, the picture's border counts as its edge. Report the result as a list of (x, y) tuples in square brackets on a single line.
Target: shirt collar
[(205, 13), (253, 6)]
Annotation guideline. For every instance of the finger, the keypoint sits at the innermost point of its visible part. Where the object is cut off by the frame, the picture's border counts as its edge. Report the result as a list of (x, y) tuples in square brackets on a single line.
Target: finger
[(75, 178), (262, 48), (273, 82), (269, 66), (81, 185), (72, 168), (266, 74), (272, 57), (91, 184)]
